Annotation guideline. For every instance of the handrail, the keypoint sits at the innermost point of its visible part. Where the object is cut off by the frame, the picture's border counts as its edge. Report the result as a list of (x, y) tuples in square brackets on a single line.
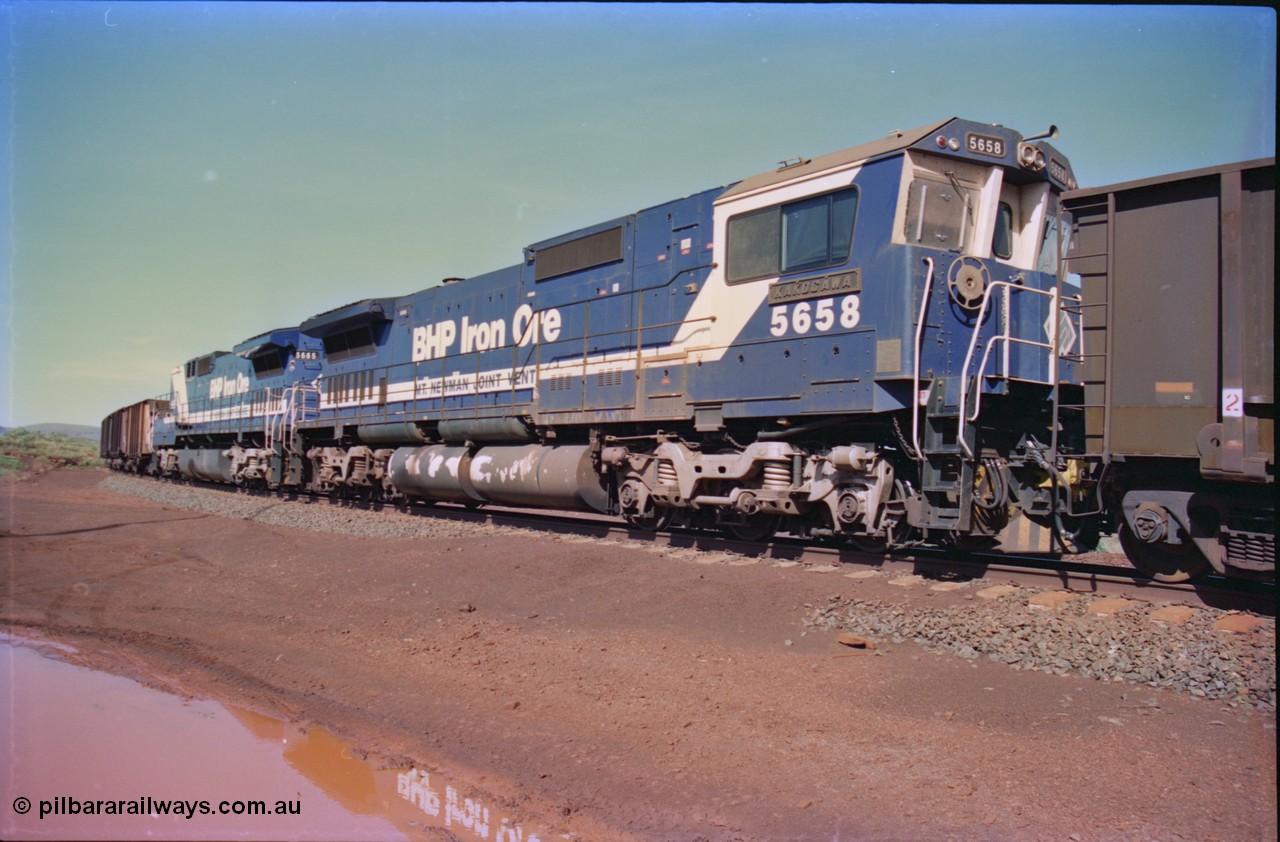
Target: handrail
[(281, 420), (1013, 340), (1004, 336), (915, 374), (268, 423)]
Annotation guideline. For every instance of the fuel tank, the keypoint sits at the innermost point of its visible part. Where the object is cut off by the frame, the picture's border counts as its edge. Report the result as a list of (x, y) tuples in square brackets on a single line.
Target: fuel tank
[(559, 477), (211, 465)]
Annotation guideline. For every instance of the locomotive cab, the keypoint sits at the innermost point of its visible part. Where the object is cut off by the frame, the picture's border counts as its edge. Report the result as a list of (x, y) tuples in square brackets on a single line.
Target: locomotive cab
[(903, 284), (987, 428)]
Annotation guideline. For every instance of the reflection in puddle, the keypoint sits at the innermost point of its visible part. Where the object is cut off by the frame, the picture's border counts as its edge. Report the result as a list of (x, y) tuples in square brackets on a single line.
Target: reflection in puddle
[(102, 757), (465, 817)]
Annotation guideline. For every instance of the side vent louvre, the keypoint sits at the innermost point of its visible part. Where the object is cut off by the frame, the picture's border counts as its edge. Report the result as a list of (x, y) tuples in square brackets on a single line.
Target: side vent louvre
[(612, 377), (560, 383)]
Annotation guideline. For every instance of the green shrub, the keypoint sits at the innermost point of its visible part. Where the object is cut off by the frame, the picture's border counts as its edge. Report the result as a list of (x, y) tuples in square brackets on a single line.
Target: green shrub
[(46, 450)]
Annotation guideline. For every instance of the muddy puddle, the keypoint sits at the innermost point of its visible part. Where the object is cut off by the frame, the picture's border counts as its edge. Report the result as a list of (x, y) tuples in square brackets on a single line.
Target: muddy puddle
[(90, 755)]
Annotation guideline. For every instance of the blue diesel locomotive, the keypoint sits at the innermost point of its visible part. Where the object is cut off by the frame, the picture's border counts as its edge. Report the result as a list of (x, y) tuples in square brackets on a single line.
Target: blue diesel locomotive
[(879, 344)]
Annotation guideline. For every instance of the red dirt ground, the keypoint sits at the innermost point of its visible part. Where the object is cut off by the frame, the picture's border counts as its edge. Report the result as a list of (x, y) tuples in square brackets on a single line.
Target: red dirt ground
[(613, 692)]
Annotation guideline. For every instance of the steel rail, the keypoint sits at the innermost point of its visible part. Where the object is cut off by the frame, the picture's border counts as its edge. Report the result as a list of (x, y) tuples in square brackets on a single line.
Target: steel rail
[(1032, 571)]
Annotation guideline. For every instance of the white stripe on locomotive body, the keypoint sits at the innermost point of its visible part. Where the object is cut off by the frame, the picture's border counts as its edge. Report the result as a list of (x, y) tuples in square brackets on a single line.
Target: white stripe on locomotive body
[(1034, 201), (489, 381), (700, 339), (178, 382), (733, 306), (255, 405)]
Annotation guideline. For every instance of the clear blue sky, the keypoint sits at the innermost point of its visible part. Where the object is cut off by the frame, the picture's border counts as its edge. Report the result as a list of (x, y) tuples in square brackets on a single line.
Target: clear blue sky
[(182, 176)]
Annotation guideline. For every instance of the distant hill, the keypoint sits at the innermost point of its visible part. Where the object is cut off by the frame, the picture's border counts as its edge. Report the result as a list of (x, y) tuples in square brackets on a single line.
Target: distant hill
[(75, 431)]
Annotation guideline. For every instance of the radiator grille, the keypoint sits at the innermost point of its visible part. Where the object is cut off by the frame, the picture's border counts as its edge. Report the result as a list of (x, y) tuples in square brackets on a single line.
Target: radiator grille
[(583, 253)]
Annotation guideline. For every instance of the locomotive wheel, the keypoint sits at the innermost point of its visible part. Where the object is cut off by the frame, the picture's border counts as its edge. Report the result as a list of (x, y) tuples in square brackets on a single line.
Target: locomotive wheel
[(1163, 562), (758, 528), (868, 544), (652, 520), (895, 526)]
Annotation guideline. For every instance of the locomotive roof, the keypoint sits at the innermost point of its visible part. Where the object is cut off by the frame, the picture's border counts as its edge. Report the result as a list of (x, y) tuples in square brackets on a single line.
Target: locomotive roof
[(281, 337), (349, 316), (892, 143)]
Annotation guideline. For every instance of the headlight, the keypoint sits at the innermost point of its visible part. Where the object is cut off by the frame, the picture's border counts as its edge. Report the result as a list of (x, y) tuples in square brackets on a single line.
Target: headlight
[(1031, 158)]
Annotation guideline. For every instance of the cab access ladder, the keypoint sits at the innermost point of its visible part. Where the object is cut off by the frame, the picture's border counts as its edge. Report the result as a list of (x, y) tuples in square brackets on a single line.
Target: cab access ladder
[(295, 404)]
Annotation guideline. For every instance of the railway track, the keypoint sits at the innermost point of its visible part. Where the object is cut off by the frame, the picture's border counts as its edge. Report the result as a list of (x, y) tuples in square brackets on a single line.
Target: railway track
[(1028, 570), (1033, 571)]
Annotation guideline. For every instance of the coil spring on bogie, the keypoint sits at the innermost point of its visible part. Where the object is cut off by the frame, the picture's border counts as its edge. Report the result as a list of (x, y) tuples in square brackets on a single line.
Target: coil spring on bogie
[(1250, 549), (777, 474), (667, 473)]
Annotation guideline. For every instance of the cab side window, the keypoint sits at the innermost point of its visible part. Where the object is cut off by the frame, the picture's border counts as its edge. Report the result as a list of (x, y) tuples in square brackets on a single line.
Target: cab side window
[(1002, 239), (938, 214), (1057, 234), (812, 233)]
